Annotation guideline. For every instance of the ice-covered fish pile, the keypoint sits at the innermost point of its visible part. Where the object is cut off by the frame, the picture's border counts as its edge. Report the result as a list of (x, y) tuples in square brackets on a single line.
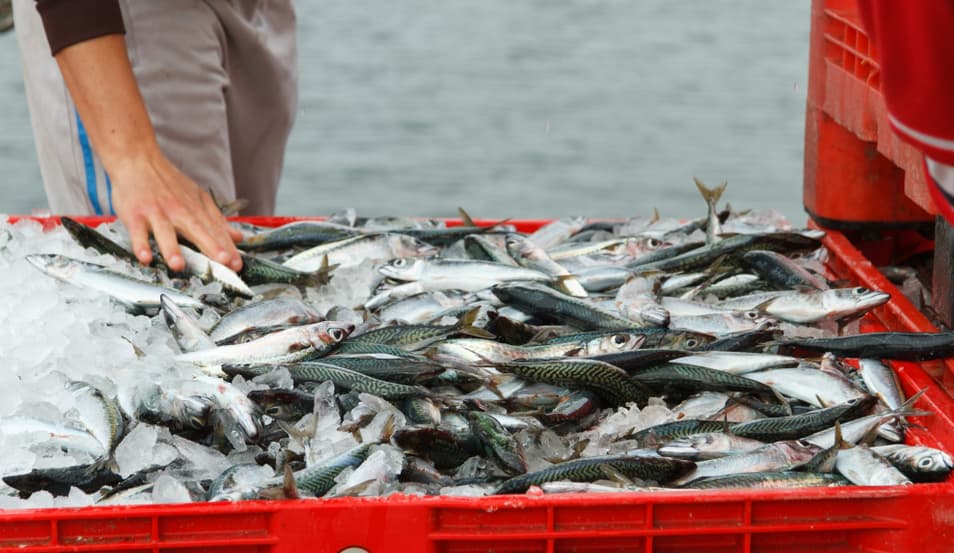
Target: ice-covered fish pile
[(378, 356)]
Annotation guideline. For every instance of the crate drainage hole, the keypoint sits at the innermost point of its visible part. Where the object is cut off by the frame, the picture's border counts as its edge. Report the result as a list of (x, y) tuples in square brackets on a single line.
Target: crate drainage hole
[(354, 550)]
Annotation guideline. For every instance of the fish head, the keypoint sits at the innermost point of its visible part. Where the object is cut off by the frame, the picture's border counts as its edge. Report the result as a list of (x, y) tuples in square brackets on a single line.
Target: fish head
[(408, 246), (931, 464), (328, 333), (621, 341), (403, 268), (518, 246), (192, 411), (841, 302), (52, 264)]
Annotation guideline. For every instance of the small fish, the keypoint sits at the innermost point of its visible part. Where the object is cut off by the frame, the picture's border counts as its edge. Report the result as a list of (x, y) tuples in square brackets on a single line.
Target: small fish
[(647, 468), (136, 294), (498, 442), (283, 346)]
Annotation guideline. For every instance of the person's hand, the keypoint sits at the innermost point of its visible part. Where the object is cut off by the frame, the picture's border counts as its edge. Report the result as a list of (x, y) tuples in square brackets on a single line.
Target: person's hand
[(150, 195)]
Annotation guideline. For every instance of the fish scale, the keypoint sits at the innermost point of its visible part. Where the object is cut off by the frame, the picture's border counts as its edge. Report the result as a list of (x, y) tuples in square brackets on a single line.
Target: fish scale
[(312, 371), (697, 379), (607, 381), (656, 469)]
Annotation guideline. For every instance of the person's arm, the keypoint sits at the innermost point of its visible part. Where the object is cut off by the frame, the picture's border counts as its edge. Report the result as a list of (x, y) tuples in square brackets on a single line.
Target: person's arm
[(149, 193)]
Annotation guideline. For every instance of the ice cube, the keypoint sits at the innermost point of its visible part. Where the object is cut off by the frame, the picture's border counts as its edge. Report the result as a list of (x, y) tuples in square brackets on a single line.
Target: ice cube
[(135, 452), (167, 489)]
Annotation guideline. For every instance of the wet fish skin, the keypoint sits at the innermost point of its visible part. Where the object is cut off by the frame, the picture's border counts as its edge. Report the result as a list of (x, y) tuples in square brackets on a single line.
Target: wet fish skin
[(904, 346), (774, 457), (137, 294), (711, 445), (531, 256), (298, 234), (315, 371), (673, 376), (863, 467), (918, 463), (659, 434), (550, 304), (647, 468), (798, 426), (283, 346), (781, 271), (318, 480), (89, 237), (185, 329), (258, 270), (768, 481), (610, 383)]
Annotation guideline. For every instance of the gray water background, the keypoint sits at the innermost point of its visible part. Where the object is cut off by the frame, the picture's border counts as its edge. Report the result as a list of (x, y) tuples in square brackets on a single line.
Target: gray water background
[(522, 108)]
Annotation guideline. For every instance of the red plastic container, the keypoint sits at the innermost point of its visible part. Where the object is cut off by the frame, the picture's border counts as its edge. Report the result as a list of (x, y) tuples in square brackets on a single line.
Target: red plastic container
[(858, 172), (831, 520)]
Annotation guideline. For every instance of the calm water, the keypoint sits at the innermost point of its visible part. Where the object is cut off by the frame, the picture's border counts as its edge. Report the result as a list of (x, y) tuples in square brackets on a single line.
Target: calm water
[(533, 108)]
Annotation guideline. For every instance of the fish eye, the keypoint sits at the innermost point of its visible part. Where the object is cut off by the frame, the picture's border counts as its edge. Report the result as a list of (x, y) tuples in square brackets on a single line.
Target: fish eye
[(691, 343), (272, 411), (336, 334), (803, 443), (399, 262), (861, 290), (925, 463), (620, 339), (752, 315), (653, 243)]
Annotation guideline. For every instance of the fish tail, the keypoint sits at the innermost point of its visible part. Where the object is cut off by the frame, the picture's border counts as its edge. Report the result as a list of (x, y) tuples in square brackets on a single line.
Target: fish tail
[(710, 195)]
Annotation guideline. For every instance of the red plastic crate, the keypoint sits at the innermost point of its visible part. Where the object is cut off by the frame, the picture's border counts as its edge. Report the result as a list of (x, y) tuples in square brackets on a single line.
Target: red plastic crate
[(857, 171), (830, 520)]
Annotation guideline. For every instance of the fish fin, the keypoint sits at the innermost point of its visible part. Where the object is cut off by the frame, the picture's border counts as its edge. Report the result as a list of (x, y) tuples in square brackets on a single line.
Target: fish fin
[(388, 430), (466, 326), (725, 423), (465, 218), (613, 474), (869, 437), (656, 216), (139, 353), (293, 432), (574, 352), (710, 195), (578, 449), (289, 486), (840, 442)]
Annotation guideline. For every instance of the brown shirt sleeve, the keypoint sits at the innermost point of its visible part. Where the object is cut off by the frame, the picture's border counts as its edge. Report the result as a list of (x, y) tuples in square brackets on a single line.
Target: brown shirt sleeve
[(70, 21)]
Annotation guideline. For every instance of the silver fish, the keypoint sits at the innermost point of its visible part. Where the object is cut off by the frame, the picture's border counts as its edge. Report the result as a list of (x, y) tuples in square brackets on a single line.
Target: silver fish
[(556, 232), (269, 314), (352, 251), (814, 306), (466, 275), (768, 458), (283, 346), (531, 256), (863, 467), (737, 362), (132, 292), (208, 269), (186, 330)]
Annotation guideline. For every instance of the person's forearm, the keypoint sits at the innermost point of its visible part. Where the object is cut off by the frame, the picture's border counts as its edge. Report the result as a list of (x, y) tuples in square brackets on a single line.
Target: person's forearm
[(101, 82)]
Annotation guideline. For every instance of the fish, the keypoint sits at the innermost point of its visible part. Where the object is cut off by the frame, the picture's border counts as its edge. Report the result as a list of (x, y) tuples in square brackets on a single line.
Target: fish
[(902, 346), (610, 383), (137, 295), (711, 197), (262, 317), (552, 305), (353, 251), (647, 468), (314, 371), (287, 345)]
